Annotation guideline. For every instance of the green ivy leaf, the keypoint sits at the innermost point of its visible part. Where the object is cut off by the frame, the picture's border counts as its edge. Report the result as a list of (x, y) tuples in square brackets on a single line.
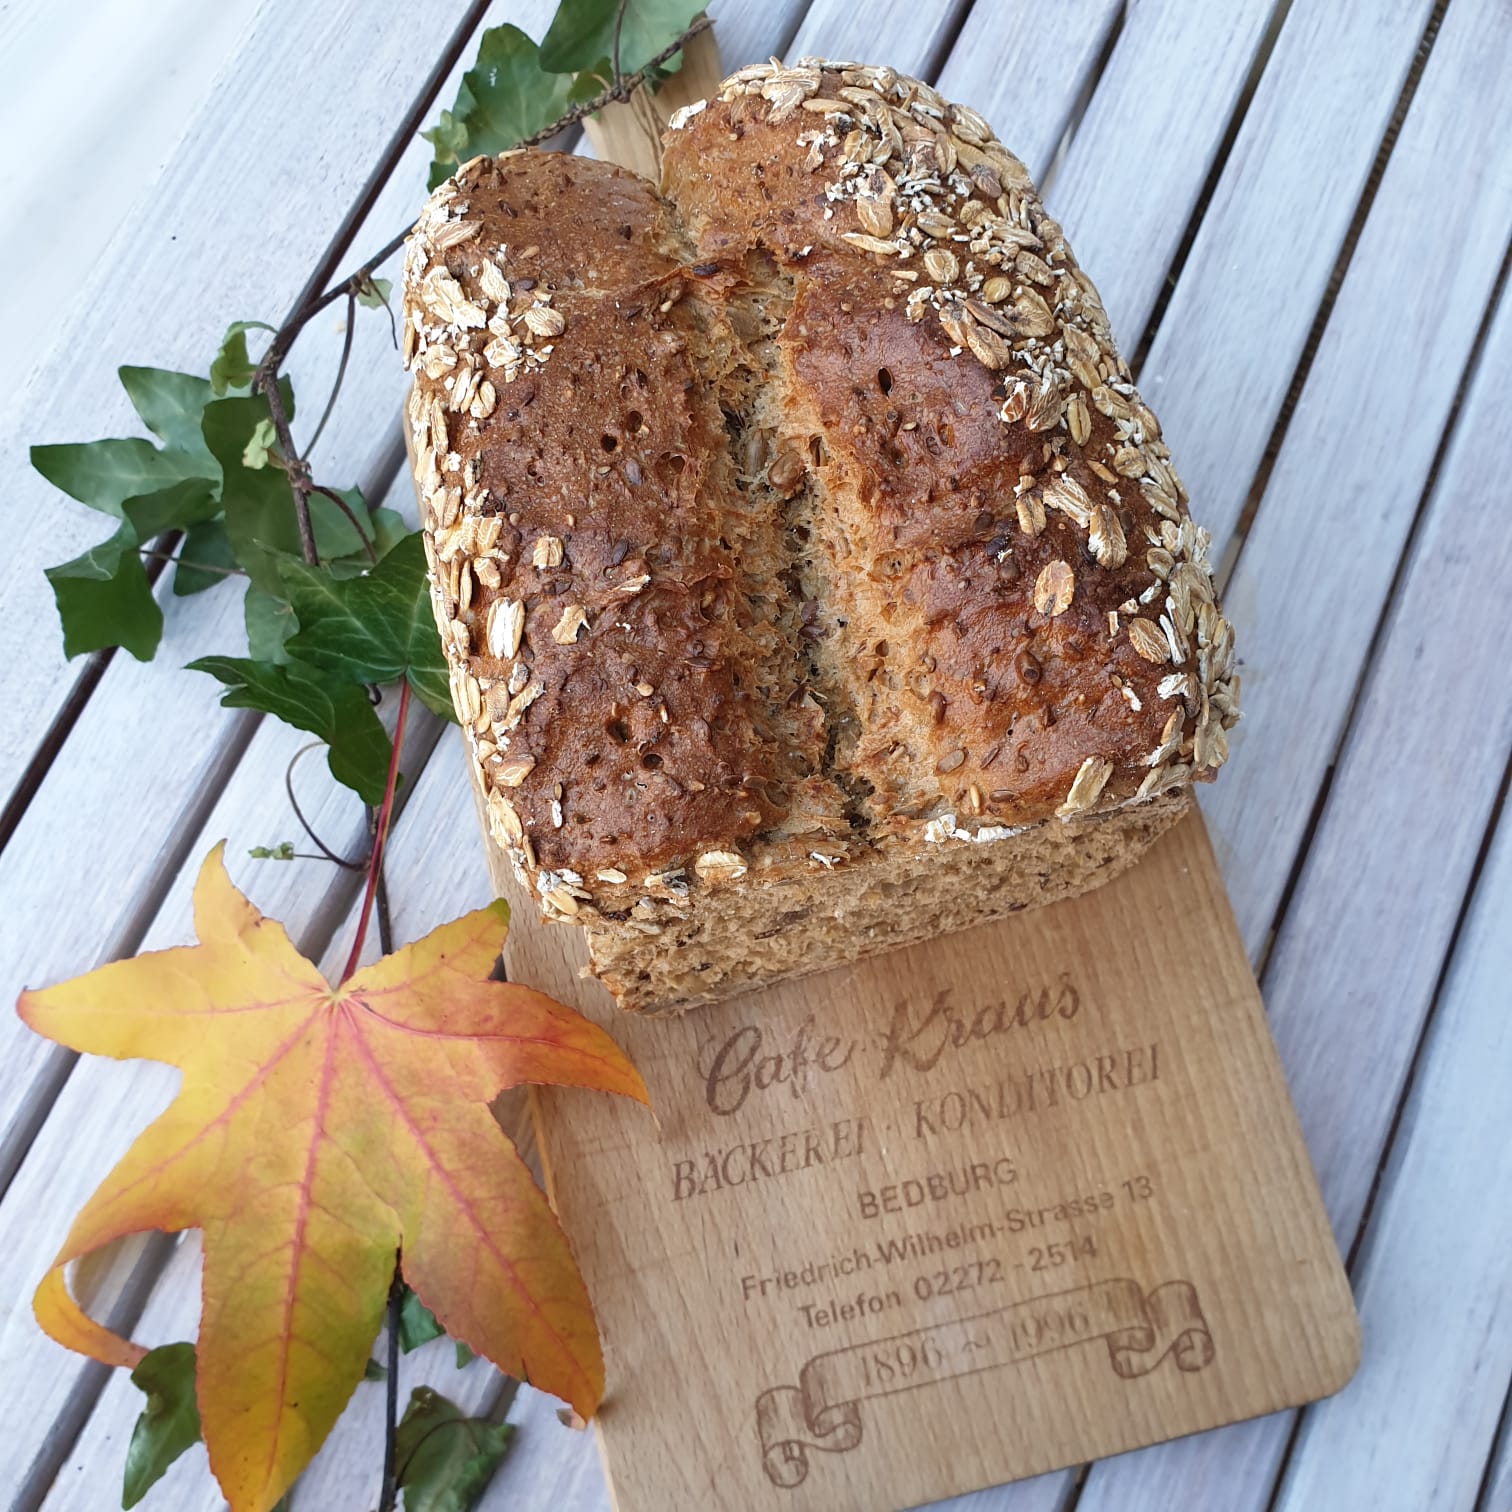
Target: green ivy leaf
[(171, 405), (283, 851), (309, 699), (104, 474), (270, 622), (417, 1323), (582, 32), (232, 368), (104, 599), (169, 1423), (505, 97), (191, 502), (205, 559), (372, 629), (445, 1460)]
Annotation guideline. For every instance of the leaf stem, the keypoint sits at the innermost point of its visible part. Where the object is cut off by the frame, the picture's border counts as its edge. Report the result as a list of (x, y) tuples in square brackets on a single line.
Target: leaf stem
[(346, 509), (385, 813), (169, 556), (389, 1497), (341, 367)]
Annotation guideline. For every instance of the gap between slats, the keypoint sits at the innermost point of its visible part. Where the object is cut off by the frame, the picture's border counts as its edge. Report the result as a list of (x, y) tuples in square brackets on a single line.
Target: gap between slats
[(1220, 162)]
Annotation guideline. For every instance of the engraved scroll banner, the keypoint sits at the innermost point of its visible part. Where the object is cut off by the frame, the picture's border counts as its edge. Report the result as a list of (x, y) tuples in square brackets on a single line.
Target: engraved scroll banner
[(823, 1410)]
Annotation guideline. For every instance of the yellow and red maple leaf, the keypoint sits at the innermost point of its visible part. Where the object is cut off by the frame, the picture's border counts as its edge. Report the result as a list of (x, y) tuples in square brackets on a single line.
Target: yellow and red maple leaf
[(319, 1132)]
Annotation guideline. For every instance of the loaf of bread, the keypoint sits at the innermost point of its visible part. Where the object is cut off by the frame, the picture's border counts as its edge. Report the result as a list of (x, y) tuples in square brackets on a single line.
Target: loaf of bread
[(813, 579)]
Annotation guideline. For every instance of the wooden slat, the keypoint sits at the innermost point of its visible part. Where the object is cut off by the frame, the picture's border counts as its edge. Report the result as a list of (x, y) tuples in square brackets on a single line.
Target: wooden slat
[(1138, 160), (1025, 66), (907, 34), (149, 71), (1353, 970), (1237, 322), (1433, 1281), (1305, 596), (549, 1466)]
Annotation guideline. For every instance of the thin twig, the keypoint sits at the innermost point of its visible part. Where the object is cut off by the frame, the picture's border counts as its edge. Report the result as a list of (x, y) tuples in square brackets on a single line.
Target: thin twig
[(389, 1498), (346, 509), (341, 367), (168, 556), (304, 823), (385, 813)]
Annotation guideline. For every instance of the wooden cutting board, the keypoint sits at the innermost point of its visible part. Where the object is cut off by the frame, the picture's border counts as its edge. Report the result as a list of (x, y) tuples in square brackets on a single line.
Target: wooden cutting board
[(1000, 1202)]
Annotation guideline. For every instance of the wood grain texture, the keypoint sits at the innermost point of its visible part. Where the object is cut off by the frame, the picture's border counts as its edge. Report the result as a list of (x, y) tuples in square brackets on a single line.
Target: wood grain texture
[(750, 31), (550, 1465), (1237, 321), (1306, 593), (1137, 162), (881, 1136), (1433, 1281), (1024, 66), (1350, 979)]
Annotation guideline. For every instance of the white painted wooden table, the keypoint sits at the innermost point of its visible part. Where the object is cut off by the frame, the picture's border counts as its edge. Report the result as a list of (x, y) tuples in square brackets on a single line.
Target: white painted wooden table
[(1299, 217)]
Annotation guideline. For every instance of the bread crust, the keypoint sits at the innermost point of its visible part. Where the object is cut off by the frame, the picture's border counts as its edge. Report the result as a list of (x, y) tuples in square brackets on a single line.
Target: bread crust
[(801, 516)]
